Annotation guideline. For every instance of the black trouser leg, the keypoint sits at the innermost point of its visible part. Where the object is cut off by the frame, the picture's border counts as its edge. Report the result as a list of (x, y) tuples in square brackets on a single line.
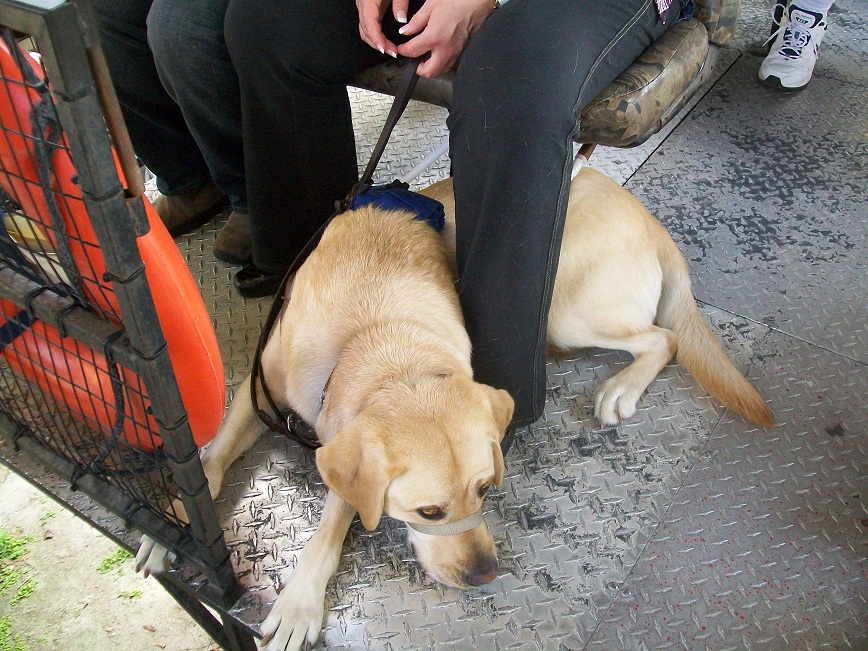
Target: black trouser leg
[(156, 125), (521, 82), (293, 60)]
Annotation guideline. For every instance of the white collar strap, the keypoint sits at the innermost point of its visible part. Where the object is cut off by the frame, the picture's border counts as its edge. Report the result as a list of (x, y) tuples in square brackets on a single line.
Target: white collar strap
[(450, 528)]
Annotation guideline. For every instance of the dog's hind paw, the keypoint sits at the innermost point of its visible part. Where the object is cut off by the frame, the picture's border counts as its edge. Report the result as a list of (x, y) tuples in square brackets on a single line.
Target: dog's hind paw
[(295, 620), (153, 558), (615, 402)]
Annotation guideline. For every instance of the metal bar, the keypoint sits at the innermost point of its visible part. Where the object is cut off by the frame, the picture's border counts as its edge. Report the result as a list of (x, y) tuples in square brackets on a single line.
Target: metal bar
[(63, 313), (63, 42), (108, 101), (90, 485), (90, 148), (587, 149), (229, 633)]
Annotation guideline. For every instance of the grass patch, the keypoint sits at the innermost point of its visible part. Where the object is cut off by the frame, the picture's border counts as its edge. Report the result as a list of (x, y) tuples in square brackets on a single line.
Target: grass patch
[(7, 642), (24, 590), (46, 517), (131, 594), (113, 561), (12, 547), (9, 576)]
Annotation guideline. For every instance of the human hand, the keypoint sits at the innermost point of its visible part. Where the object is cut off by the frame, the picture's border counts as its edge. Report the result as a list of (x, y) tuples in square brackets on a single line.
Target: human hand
[(371, 14), (442, 28)]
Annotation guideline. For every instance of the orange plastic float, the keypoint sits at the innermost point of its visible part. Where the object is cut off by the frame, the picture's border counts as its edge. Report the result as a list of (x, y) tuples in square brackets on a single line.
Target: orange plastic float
[(66, 369)]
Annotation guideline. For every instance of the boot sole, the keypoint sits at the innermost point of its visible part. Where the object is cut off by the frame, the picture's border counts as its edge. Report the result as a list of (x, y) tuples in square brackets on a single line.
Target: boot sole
[(232, 258)]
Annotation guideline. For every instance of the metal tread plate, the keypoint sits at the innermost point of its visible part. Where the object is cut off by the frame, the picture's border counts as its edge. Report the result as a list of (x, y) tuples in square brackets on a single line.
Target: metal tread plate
[(764, 545), (705, 532), (577, 505)]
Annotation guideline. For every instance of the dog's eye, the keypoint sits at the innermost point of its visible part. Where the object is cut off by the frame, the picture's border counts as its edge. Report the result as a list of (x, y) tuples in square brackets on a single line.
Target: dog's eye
[(483, 490), (431, 513)]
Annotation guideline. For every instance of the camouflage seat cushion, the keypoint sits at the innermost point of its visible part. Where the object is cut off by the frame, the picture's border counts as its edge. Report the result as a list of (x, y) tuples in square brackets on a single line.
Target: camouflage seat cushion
[(635, 106), (639, 102)]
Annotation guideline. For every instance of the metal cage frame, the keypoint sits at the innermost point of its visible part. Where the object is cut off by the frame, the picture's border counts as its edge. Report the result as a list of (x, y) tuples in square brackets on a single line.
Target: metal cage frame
[(72, 59)]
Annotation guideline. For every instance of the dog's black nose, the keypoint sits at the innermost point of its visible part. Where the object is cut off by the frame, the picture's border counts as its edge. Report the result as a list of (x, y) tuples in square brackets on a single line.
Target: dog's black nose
[(484, 571)]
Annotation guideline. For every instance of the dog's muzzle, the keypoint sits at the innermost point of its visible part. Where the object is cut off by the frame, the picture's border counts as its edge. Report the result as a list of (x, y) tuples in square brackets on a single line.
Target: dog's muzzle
[(450, 528)]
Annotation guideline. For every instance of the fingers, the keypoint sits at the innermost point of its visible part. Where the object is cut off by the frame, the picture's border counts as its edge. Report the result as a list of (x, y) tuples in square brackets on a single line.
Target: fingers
[(371, 29), (435, 65), (417, 23), (399, 10), (441, 56)]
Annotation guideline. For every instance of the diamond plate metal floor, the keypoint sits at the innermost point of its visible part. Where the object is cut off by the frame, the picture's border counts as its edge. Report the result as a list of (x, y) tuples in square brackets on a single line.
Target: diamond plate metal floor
[(683, 528)]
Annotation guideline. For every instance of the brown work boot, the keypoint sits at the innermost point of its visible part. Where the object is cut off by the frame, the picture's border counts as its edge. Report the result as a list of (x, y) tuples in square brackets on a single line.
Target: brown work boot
[(183, 213), (233, 242)]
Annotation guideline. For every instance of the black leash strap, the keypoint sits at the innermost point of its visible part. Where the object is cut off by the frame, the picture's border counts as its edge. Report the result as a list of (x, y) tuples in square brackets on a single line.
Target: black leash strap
[(294, 426), (402, 97)]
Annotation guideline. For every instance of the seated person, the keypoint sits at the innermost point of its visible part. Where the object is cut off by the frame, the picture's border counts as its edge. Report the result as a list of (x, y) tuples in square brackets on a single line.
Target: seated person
[(526, 70), (181, 104)]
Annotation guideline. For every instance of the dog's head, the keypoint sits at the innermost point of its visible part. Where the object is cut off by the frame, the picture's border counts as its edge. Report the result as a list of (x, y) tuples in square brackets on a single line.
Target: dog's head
[(426, 452)]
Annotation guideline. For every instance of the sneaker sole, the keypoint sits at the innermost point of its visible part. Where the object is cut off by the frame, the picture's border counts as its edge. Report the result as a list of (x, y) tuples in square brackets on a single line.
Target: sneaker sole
[(775, 82)]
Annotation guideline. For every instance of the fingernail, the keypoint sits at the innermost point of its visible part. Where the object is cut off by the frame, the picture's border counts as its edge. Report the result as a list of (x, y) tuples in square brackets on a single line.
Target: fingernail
[(394, 55), (401, 29), (401, 17), (380, 48)]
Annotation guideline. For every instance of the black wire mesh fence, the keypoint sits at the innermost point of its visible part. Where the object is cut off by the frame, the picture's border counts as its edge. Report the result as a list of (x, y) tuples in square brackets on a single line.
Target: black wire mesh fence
[(73, 398), (90, 382)]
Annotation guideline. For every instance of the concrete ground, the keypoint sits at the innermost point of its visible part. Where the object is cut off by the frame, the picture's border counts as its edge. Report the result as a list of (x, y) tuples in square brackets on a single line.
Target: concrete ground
[(73, 605)]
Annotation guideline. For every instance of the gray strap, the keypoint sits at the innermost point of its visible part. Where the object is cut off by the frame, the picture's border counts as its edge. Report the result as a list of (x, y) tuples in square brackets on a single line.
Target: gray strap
[(450, 528)]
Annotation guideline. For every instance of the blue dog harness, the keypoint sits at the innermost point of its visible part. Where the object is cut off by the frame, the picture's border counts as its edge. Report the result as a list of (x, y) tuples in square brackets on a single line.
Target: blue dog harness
[(397, 196)]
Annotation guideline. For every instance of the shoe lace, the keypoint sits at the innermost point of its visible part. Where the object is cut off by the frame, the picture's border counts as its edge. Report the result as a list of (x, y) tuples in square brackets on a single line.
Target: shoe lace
[(795, 39)]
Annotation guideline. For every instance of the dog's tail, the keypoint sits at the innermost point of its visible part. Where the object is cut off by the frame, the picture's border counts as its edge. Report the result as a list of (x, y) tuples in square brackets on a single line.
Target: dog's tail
[(699, 351)]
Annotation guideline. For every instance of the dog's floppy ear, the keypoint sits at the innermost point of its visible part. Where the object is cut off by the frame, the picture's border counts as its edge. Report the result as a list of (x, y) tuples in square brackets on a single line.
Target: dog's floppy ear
[(498, 463), (502, 407), (354, 465)]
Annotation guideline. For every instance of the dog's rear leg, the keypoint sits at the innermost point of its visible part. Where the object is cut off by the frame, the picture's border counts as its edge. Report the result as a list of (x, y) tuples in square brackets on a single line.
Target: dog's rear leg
[(239, 431), (651, 349)]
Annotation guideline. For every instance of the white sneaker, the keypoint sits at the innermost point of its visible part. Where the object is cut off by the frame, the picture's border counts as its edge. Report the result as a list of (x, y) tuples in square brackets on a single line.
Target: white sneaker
[(790, 63)]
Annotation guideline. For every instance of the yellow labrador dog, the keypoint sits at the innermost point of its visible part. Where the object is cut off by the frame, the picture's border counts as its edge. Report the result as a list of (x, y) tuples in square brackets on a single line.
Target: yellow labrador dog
[(374, 321), (623, 284)]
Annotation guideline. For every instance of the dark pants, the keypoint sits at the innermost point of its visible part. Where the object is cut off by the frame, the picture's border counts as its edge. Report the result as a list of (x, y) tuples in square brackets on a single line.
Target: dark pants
[(521, 82), (178, 91), (294, 58)]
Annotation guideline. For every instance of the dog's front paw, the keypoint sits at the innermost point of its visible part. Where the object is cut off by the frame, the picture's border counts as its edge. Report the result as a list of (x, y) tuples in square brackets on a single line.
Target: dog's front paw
[(296, 618), (153, 558), (615, 402)]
